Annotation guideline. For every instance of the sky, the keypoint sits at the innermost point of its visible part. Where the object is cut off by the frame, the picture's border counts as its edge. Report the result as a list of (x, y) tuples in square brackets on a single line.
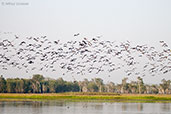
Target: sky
[(139, 21)]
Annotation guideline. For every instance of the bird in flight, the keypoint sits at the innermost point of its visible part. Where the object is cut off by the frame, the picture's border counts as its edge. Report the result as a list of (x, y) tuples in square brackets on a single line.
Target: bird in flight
[(87, 55), (77, 34)]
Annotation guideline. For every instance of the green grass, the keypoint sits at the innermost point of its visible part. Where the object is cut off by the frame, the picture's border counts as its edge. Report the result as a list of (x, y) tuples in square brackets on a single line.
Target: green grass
[(80, 96)]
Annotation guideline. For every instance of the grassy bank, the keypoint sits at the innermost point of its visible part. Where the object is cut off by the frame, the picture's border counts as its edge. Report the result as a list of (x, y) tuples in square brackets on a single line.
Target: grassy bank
[(86, 96)]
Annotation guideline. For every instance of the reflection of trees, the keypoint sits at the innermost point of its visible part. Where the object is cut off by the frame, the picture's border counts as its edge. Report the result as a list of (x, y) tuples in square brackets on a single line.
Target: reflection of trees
[(124, 106), (132, 106), (166, 107), (99, 106), (34, 104), (140, 107), (38, 107), (2, 107)]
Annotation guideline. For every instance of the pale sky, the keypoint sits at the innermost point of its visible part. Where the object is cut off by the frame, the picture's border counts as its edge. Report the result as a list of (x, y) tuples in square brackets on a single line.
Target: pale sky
[(139, 21)]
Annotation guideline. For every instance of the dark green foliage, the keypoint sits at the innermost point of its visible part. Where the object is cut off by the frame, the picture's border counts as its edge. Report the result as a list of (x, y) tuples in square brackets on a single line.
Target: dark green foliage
[(92, 87), (2, 85), (11, 85), (40, 84)]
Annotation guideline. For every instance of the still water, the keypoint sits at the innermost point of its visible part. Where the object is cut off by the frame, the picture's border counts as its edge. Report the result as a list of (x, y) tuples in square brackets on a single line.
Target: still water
[(61, 107)]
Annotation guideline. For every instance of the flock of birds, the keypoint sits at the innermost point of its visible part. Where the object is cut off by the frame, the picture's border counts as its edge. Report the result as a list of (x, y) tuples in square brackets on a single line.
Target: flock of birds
[(82, 56)]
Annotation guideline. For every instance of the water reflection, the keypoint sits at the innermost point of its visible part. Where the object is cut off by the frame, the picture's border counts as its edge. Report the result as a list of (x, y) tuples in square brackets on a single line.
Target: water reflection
[(34, 104), (132, 106), (166, 107), (63, 107), (98, 107)]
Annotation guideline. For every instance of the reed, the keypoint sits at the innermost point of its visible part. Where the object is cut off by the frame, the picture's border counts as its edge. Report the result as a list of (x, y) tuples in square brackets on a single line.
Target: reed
[(86, 96)]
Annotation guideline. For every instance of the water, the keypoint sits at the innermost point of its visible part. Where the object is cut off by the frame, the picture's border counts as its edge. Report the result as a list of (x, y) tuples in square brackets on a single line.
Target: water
[(61, 107)]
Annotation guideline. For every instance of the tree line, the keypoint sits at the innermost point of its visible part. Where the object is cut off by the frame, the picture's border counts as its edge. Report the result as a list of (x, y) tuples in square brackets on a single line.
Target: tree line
[(39, 84)]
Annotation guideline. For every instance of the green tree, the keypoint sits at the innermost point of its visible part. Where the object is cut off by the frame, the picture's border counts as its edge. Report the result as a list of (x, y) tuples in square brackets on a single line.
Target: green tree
[(2, 85), (75, 87), (37, 83), (84, 85), (27, 86), (52, 85), (19, 85), (92, 87), (133, 87), (141, 87), (60, 85), (124, 85), (154, 89), (99, 83), (164, 86), (11, 86), (110, 87)]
